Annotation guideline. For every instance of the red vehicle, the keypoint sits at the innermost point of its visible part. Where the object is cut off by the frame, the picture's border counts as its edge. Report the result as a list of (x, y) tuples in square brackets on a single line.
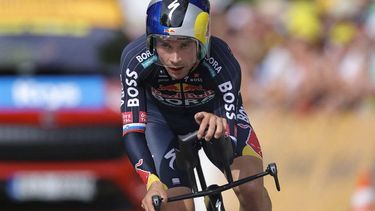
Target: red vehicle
[(60, 123)]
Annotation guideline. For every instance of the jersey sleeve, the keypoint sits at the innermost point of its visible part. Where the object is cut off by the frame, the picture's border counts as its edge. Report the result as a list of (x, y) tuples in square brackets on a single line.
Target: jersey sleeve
[(133, 111), (227, 73)]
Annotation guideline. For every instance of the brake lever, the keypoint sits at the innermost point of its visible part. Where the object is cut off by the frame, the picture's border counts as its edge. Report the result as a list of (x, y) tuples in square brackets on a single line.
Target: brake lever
[(272, 170), (156, 201)]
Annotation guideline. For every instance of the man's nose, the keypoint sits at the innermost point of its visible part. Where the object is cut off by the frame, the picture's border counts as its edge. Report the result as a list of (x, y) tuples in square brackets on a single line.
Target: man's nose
[(175, 57)]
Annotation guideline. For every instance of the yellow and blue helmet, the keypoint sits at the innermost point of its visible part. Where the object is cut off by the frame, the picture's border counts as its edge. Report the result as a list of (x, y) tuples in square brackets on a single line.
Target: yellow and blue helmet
[(179, 18)]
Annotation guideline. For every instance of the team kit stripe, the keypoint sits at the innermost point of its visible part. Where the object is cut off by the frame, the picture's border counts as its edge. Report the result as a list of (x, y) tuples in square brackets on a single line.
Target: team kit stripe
[(133, 127)]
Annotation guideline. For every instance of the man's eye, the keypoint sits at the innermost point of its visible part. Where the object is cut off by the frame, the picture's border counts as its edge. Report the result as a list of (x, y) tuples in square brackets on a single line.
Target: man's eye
[(185, 45), (164, 45)]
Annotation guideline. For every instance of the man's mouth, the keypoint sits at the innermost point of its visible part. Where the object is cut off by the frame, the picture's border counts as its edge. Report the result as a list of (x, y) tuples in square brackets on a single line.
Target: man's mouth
[(175, 69)]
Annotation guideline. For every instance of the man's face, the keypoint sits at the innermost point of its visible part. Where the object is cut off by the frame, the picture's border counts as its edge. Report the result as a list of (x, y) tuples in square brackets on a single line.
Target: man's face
[(178, 56)]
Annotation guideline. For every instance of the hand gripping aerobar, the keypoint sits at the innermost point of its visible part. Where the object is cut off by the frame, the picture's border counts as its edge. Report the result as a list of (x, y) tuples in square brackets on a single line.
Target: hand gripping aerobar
[(220, 152)]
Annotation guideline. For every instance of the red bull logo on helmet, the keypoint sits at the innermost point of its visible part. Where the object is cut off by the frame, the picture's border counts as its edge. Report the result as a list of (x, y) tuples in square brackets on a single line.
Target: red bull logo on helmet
[(169, 30)]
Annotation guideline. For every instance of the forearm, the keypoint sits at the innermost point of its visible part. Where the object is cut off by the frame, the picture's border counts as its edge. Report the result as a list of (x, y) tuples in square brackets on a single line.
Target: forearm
[(139, 155)]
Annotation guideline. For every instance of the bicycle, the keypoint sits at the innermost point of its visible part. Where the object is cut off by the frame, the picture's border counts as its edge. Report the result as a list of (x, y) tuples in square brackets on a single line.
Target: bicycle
[(221, 153)]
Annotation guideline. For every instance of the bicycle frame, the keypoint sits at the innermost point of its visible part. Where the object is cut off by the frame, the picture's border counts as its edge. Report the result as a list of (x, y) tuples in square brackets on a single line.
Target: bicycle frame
[(188, 159)]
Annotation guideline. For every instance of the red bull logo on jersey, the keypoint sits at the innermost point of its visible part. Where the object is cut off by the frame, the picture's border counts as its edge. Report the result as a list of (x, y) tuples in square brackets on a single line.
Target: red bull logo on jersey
[(142, 173), (181, 88), (191, 88), (182, 94), (252, 146), (171, 88)]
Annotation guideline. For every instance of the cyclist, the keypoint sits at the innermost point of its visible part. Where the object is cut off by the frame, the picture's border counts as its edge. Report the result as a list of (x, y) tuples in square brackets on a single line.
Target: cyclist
[(177, 79)]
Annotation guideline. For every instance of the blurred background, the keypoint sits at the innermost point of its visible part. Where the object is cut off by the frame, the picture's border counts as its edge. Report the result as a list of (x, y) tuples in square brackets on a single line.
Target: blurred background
[(308, 83)]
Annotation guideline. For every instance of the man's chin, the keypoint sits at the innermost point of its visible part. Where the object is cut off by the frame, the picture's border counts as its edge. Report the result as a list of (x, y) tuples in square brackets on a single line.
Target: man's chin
[(176, 74), (176, 77)]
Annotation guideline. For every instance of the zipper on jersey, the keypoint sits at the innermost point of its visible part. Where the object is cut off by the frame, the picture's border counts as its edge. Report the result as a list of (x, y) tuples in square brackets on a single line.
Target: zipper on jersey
[(182, 94)]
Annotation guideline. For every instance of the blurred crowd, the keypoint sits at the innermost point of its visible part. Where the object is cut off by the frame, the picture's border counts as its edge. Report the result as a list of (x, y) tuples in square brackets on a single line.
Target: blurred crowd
[(302, 55), (299, 55)]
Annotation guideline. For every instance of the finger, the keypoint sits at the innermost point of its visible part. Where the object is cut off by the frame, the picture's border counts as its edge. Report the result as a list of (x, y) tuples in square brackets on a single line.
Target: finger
[(225, 124), (203, 126), (146, 205), (219, 128), (201, 131), (198, 117), (149, 205), (143, 203), (211, 128)]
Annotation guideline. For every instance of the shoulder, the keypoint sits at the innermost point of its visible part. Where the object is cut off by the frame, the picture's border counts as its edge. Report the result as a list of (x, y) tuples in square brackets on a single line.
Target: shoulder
[(221, 57), (135, 54), (135, 45), (218, 44)]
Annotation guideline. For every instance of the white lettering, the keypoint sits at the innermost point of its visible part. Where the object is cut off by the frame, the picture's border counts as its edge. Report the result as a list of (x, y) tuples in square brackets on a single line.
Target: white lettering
[(174, 101), (131, 74), (133, 102), (122, 92), (229, 107), (171, 155), (30, 93), (143, 56), (208, 98), (173, 6), (130, 82), (230, 115), (191, 102), (218, 205), (228, 98), (214, 64), (131, 90), (242, 115), (224, 87)]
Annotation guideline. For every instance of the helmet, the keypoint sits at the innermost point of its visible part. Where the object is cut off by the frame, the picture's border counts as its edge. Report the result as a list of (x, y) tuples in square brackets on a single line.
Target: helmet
[(184, 18)]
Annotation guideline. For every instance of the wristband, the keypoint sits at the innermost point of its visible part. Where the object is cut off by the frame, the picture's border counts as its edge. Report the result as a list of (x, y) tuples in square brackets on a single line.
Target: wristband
[(153, 178)]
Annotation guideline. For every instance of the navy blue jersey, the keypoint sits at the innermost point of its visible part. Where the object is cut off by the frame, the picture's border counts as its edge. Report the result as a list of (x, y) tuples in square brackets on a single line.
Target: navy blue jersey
[(213, 86)]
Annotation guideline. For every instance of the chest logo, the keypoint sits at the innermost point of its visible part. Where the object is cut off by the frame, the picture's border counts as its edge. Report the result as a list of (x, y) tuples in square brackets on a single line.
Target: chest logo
[(182, 94)]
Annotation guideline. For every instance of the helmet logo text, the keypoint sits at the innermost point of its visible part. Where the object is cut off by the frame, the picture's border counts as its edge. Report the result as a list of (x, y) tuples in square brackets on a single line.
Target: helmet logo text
[(173, 6)]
